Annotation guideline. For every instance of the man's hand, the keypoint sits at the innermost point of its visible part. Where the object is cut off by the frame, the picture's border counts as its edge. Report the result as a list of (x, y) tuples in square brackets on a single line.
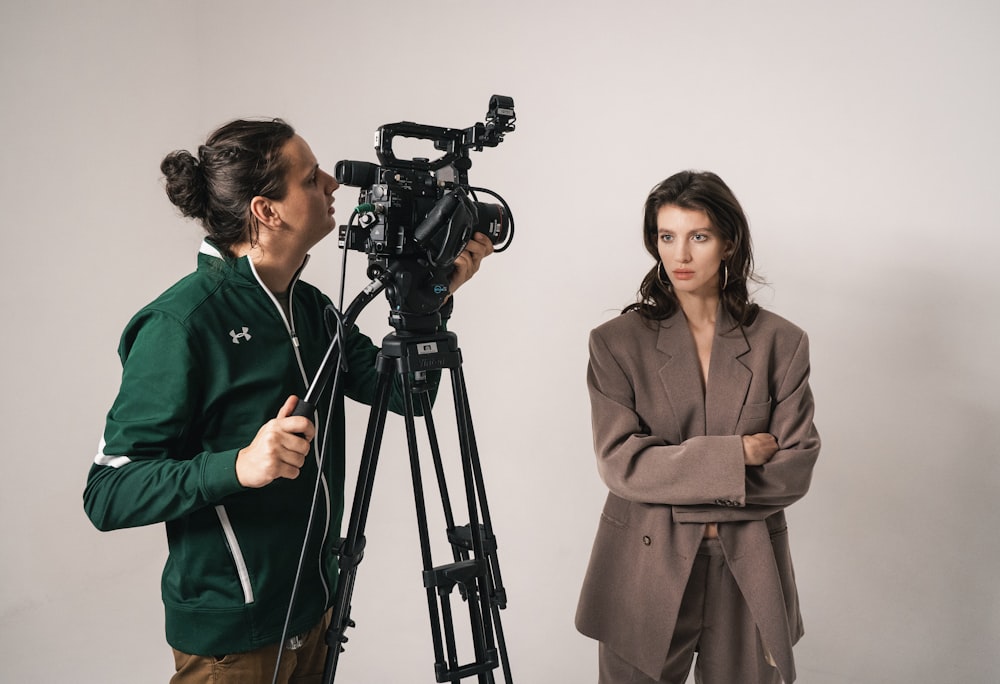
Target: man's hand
[(279, 449), (467, 263)]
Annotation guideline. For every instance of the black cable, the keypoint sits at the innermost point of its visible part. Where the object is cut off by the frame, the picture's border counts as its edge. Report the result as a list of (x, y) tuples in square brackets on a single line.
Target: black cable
[(338, 339), (338, 335), (506, 207)]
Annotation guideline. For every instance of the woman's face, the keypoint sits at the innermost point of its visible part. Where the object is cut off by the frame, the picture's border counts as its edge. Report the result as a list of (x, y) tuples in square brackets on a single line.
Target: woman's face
[(307, 208), (691, 249)]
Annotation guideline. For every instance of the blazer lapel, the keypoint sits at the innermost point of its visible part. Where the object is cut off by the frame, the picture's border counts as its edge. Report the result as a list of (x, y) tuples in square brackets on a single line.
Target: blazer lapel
[(681, 376), (728, 378)]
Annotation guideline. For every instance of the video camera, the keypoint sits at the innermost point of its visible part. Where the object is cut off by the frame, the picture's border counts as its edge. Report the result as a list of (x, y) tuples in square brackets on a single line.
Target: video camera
[(415, 216)]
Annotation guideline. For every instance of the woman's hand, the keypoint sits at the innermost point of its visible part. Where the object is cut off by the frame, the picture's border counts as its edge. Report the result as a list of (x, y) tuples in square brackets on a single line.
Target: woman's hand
[(467, 263), (758, 449), (279, 449)]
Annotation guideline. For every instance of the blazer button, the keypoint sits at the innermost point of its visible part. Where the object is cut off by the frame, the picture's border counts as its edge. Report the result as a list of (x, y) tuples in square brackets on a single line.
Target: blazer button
[(646, 540)]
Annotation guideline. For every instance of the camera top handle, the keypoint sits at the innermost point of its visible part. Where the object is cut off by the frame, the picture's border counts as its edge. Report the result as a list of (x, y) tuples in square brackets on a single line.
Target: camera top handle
[(454, 142)]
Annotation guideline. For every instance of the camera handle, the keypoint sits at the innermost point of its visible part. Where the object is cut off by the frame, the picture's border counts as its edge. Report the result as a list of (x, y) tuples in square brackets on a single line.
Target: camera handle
[(475, 569)]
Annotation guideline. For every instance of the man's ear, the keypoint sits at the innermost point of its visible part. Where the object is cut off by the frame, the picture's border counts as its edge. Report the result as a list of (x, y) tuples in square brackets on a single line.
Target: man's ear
[(265, 211)]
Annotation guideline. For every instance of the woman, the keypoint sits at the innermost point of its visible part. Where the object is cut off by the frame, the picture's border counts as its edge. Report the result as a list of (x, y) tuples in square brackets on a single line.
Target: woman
[(703, 429), (201, 435)]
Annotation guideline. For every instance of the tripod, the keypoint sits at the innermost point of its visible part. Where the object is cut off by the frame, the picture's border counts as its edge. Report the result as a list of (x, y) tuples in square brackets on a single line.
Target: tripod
[(474, 569)]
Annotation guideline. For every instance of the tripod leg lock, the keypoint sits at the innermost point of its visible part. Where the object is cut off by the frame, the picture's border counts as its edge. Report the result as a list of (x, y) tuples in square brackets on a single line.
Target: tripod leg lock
[(461, 538), (338, 637), (349, 557)]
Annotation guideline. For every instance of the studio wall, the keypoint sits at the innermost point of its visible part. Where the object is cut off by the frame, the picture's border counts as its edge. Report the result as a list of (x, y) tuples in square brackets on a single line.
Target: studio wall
[(860, 137)]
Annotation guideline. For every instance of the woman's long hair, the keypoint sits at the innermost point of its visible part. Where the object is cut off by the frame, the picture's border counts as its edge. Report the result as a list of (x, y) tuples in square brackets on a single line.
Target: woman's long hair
[(699, 191)]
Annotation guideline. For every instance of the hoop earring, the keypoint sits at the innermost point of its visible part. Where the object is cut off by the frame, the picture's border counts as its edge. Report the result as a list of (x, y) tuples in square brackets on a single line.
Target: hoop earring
[(660, 273), (725, 276)]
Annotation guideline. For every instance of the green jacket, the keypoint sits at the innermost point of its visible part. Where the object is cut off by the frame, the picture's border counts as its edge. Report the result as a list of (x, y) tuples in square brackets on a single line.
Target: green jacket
[(204, 366)]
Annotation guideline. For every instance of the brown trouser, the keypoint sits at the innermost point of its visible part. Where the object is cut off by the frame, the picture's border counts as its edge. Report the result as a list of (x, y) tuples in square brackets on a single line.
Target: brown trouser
[(302, 665), (713, 621)]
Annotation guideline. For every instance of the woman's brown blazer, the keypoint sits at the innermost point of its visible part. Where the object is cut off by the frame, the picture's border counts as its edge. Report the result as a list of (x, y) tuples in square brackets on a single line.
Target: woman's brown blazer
[(671, 454)]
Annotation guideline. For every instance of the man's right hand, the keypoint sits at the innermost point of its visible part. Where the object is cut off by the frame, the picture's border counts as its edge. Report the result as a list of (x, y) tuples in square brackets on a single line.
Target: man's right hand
[(279, 449)]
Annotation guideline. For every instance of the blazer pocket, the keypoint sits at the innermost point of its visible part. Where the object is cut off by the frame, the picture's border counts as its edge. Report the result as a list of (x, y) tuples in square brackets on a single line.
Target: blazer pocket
[(616, 511), (754, 418)]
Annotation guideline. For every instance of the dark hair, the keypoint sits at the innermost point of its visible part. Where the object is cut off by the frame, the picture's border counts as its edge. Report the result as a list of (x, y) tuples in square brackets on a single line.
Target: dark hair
[(704, 191), (238, 162)]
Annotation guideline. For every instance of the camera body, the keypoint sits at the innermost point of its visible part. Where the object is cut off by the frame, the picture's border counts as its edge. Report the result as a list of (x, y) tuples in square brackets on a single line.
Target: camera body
[(415, 216)]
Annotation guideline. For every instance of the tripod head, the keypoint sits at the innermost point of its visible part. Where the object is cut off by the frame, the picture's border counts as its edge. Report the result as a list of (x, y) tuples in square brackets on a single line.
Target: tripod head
[(409, 283)]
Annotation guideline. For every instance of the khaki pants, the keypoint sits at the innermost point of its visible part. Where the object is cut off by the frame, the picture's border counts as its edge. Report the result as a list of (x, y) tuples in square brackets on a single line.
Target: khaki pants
[(303, 665), (715, 622)]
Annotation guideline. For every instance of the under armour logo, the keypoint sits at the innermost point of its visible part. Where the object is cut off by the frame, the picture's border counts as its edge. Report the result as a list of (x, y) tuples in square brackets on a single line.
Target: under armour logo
[(237, 335)]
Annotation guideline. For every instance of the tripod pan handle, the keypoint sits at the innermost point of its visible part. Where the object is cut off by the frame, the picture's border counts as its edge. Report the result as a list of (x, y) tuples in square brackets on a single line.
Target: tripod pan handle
[(305, 408)]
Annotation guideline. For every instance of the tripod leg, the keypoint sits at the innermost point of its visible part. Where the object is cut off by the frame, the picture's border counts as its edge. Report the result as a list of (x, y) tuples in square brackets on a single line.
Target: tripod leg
[(421, 511), (496, 594), (353, 545), (449, 517), (468, 574), (460, 548), (480, 612)]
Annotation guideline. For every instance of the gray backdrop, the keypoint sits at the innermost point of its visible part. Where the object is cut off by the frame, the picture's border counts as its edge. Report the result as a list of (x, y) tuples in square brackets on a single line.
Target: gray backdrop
[(861, 138)]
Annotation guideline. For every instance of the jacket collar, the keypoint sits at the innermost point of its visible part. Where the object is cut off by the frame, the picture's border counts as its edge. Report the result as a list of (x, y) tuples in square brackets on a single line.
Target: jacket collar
[(211, 257), (713, 409)]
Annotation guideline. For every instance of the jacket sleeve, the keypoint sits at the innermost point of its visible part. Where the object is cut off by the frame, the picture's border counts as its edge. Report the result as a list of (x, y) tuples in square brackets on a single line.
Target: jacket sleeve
[(639, 466), (786, 477), (141, 475)]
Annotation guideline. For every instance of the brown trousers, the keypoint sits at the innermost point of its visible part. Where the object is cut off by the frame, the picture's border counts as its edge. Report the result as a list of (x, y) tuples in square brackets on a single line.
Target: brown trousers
[(304, 665), (714, 622)]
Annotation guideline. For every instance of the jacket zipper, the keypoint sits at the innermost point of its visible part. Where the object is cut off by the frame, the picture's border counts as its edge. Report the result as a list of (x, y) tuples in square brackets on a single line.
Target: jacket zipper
[(319, 443)]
